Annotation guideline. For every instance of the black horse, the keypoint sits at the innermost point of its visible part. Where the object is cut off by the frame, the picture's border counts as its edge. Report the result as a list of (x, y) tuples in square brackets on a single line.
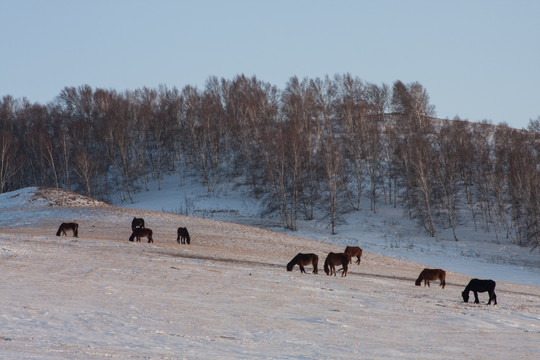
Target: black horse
[(302, 260), (183, 235), (137, 223), (476, 286)]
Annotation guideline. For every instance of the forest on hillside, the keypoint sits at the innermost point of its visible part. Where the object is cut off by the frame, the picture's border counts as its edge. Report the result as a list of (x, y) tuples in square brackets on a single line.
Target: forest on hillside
[(318, 146)]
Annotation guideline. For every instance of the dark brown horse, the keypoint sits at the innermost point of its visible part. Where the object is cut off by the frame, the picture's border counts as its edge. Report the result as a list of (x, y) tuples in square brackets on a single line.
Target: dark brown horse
[(183, 235), (354, 251), (302, 260), (68, 226), (431, 274), (334, 259), (137, 223), (476, 286), (141, 232)]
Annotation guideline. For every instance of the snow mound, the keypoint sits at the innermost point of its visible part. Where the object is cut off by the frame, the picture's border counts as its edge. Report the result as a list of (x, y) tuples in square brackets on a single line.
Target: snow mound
[(44, 196)]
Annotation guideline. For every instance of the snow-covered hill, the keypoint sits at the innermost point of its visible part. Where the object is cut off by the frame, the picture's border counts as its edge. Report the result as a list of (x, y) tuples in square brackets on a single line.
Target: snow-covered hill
[(228, 295)]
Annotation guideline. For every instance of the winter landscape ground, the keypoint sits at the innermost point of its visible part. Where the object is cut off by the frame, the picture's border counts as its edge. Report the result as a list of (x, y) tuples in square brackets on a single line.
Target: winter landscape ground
[(227, 294)]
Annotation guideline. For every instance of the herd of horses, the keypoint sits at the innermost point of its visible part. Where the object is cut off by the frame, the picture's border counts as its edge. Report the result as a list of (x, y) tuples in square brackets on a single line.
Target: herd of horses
[(332, 260), (138, 231), (426, 275), (302, 260)]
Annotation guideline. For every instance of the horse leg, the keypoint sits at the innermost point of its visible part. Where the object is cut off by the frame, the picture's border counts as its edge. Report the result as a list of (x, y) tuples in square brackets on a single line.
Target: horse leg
[(302, 270), (476, 301), (358, 261), (345, 268), (493, 297)]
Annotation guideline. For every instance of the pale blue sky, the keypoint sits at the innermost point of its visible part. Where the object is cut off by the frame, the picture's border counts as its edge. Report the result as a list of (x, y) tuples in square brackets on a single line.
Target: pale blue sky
[(477, 59)]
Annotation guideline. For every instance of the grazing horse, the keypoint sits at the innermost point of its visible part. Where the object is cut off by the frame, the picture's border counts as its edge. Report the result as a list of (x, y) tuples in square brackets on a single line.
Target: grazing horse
[(68, 226), (354, 251), (334, 259), (302, 260), (476, 286), (137, 223), (141, 232), (183, 235), (431, 274)]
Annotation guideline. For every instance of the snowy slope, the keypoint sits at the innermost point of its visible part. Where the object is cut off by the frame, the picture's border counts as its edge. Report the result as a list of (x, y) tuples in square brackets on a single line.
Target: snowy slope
[(482, 254), (227, 295)]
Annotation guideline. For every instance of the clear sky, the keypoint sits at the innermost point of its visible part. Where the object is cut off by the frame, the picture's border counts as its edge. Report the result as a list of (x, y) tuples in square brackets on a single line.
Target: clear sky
[(478, 59)]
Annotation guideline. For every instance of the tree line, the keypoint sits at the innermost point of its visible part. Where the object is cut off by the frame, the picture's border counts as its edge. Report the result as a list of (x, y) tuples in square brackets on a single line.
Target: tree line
[(319, 146)]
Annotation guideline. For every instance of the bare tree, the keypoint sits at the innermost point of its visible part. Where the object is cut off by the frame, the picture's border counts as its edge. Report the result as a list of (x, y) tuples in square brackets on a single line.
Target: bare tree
[(282, 157), (534, 125), (352, 112), (85, 167), (483, 133), (332, 160), (10, 164), (299, 109), (415, 149), (447, 171), (378, 100), (524, 189)]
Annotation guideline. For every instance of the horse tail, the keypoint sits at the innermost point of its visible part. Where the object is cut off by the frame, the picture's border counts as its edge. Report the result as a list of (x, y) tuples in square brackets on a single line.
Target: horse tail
[(345, 266), (347, 249), (132, 237), (188, 239), (315, 261), (443, 279), (178, 237), (326, 267), (150, 240), (76, 230)]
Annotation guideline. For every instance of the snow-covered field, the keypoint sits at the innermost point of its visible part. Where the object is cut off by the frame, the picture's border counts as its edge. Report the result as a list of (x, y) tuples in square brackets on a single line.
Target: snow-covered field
[(228, 296)]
